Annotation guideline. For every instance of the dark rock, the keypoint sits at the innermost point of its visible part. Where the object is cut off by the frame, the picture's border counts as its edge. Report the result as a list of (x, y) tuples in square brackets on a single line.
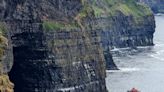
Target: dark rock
[(63, 45), (129, 25), (53, 51), (156, 5), (6, 56)]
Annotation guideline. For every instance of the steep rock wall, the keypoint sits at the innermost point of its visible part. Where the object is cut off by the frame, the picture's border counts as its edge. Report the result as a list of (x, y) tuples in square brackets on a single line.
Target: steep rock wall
[(156, 5), (125, 32), (122, 23), (53, 50), (6, 61), (6, 56), (57, 43)]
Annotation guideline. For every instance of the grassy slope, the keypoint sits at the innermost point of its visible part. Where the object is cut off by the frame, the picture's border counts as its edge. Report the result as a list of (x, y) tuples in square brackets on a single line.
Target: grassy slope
[(52, 26), (127, 7), (109, 8)]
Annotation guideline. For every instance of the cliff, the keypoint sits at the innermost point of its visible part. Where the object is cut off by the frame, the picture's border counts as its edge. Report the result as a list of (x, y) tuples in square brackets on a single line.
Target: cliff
[(64, 45), (6, 56), (120, 24), (125, 23), (53, 50), (156, 5), (5, 61)]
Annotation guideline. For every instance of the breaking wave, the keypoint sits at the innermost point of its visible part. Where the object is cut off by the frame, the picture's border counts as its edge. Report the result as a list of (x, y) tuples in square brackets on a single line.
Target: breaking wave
[(125, 70)]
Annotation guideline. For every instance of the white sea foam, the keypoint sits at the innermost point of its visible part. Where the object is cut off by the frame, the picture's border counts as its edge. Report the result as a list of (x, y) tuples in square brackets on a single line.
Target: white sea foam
[(118, 49), (157, 57), (159, 14), (115, 49), (143, 47), (124, 70), (129, 69), (159, 44)]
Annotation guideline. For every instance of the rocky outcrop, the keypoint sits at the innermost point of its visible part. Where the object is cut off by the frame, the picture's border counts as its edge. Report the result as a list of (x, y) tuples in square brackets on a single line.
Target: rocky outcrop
[(127, 31), (125, 24), (5, 63), (5, 84), (120, 24), (6, 56), (53, 50), (63, 45), (156, 5)]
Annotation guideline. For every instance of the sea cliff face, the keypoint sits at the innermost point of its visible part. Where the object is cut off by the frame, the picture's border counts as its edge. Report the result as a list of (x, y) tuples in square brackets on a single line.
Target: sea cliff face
[(5, 61), (122, 23), (53, 50), (125, 24), (127, 31), (64, 45), (6, 56), (156, 5)]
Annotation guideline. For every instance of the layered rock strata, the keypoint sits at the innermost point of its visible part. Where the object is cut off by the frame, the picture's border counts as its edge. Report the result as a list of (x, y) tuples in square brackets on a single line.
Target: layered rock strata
[(53, 50)]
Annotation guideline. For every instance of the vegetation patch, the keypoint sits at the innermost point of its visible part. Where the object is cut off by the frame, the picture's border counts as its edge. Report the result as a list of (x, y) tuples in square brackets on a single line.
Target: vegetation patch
[(3, 29), (5, 84), (97, 10), (85, 10), (54, 26), (127, 7)]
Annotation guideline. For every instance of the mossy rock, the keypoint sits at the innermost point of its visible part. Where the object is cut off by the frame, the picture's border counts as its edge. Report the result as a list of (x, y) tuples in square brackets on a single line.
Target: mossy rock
[(98, 11), (5, 84), (54, 26), (127, 7), (3, 29), (3, 46)]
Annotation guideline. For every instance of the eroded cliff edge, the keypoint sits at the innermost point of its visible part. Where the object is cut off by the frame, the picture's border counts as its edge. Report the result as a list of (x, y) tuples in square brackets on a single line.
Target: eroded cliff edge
[(63, 45), (6, 60), (125, 23), (122, 23), (6, 56), (53, 50), (156, 5)]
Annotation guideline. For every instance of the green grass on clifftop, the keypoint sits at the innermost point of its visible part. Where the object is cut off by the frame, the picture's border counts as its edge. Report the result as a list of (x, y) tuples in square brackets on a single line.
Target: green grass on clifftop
[(127, 7)]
